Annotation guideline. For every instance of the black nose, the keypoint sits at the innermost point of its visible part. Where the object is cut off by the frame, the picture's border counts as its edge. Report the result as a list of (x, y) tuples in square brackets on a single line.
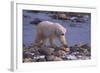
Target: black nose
[(62, 34)]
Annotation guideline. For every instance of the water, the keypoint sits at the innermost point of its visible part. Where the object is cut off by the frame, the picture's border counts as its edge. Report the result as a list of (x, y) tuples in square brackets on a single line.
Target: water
[(78, 34)]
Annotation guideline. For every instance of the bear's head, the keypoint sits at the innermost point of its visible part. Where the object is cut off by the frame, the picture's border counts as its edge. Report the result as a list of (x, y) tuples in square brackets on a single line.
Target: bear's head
[(60, 30)]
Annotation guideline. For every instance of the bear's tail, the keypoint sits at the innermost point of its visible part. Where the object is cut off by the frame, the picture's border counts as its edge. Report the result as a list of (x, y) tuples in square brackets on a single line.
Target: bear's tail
[(36, 21)]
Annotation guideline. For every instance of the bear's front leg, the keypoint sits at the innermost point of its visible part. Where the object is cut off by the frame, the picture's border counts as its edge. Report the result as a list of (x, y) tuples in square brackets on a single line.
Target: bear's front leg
[(51, 39), (63, 41)]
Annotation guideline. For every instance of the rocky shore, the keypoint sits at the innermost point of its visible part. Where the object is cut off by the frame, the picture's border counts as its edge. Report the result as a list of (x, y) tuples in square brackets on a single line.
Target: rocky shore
[(46, 53)]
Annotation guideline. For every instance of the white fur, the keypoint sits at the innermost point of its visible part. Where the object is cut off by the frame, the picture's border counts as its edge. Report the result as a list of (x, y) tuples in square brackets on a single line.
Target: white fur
[(48, 28)]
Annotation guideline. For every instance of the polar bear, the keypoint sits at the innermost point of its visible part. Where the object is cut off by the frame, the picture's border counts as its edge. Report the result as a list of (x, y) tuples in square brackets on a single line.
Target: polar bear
[(49, 30)]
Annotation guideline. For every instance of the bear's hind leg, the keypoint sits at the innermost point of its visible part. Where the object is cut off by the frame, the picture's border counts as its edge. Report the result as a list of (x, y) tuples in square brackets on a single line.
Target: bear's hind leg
[(39, 40)]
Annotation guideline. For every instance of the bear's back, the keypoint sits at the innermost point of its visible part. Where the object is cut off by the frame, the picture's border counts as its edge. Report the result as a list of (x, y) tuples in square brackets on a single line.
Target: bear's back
[(46, 27)]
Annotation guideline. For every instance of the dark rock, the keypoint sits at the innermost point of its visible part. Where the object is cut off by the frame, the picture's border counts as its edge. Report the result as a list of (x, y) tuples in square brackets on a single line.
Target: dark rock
[(34, 50), (36, 21), (50, 58), (85, 46), (26, 16), (46, 51), (73, 49)]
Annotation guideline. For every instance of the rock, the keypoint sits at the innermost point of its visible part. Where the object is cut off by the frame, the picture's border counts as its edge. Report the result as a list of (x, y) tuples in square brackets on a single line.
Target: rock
[(71, 57), (65, 49), (75, 53), (79, 57), (74, 48), (83, 57), (46, 51), (26, 16), (40, 58), (60, 53), (27, 54), (57, 58), (82, 45), (86, 46), (50, 58), (53, 58), (27, 60), (61, 16), (34, 50)]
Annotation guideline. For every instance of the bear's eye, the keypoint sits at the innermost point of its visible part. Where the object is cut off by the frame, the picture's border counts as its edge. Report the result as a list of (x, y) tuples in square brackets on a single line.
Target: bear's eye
[(62, 34)]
